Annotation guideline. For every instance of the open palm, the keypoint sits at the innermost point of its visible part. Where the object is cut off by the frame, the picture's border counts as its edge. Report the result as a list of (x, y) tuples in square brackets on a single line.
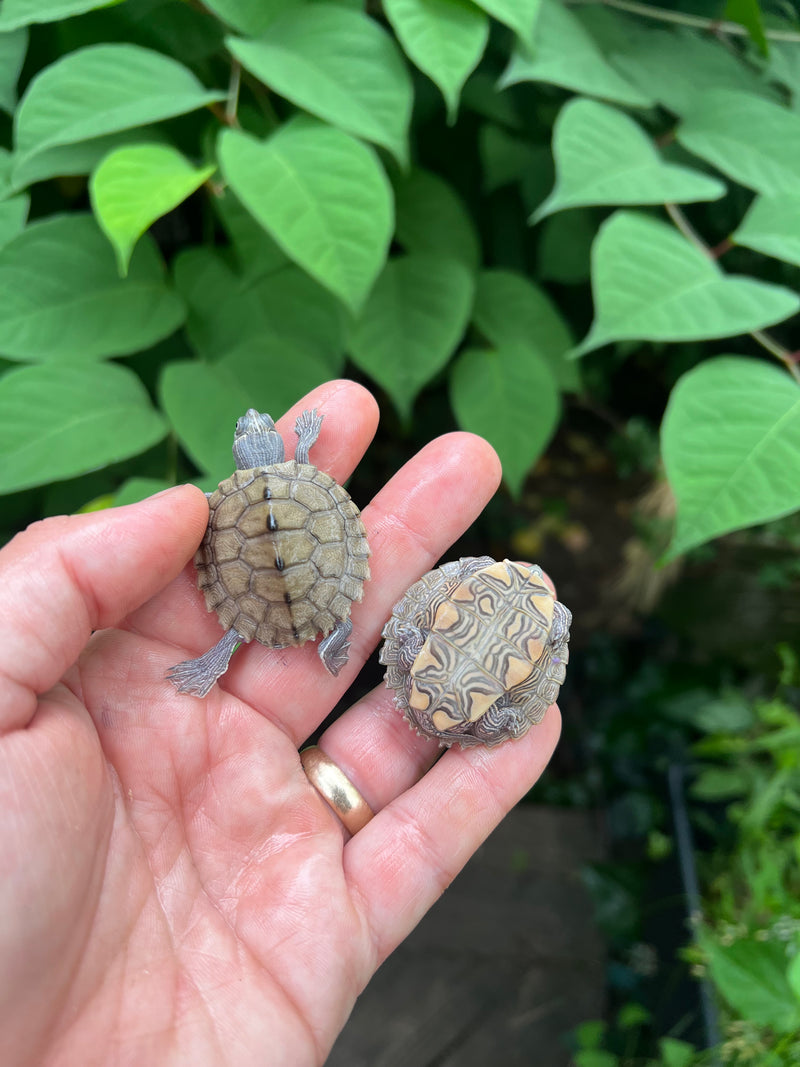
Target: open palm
[(172, 889)]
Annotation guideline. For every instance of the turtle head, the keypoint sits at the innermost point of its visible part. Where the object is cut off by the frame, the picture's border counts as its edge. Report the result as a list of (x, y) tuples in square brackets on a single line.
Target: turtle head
[(256, 442)]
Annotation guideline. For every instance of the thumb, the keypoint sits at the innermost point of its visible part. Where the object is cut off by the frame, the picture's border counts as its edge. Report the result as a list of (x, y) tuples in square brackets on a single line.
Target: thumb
[(64, 577)]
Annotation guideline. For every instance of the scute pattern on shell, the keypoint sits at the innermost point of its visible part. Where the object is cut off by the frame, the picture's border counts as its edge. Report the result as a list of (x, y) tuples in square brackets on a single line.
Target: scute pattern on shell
[(476, 651), (284, 555)]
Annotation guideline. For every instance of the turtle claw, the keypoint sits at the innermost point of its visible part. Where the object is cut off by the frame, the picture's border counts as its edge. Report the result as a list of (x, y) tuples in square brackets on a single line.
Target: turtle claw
[(307, 428), (335, 648), (197, 676)]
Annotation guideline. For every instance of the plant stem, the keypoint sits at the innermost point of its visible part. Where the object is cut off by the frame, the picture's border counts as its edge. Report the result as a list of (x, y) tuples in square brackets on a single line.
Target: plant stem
[(787, 358), (681, 18), (232, 102)]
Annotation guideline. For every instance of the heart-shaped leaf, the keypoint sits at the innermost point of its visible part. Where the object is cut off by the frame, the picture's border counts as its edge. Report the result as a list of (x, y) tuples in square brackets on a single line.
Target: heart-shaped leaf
[(16, 13), (99, 90), (136, 185), (339, 65), (411, 324), (13, 47), (321, 195), (772, 226), (519, 15), (61, 420), (510, 311), (754, 141), (444, 38), (431, 218), (565, 54), (61, 297), (604, 157), (651, 284), (730, 440), (278, 319), (510, 397)]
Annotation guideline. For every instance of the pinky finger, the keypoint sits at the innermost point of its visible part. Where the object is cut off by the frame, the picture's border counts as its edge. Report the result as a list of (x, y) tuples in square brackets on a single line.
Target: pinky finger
[(403, 860)]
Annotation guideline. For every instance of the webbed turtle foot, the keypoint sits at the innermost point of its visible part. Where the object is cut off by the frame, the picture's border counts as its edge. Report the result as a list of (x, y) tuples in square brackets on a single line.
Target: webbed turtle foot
[(335, 648), (197, 676), (307, 428)]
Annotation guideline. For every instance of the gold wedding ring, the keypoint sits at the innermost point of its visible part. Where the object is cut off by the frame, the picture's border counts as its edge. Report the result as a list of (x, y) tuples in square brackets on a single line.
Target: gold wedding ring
[(336, 789)]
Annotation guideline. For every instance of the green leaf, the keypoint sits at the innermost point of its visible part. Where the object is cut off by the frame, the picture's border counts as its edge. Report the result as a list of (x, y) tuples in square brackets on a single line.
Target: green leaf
[(277, 320), (432, 218), (649, 283), (751, 976), (565, 55), (673, 67), (134, 186), (321, 195), (632, 1015), (339, 65), (13, 47), (676, 1053), (100, 90), (595, 1057), (13, 215), (16, 13), (58, 421), (772, 227), (62, 299), (251, 17), (411, 324), (756, 142), (511, 311), (509, 396), (76, 159), (730, 441), (444, 38), (254, 251), (604, 157), (748, 14), (793, 975), (507, 158), (519, 15)]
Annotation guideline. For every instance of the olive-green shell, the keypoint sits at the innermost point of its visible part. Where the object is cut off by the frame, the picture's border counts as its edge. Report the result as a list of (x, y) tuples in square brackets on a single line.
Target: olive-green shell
[(284, 555)]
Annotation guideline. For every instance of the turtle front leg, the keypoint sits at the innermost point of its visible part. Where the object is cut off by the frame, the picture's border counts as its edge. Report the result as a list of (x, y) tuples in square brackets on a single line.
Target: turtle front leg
[(335, 648), (307, 428), (198, 675)]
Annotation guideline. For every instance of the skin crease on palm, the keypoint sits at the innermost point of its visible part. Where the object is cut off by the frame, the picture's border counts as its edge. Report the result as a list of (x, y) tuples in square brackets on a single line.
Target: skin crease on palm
[(172, 889)]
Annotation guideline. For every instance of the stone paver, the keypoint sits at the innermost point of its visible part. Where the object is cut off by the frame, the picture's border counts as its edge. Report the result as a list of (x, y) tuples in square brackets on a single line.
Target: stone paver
[(504, 965)]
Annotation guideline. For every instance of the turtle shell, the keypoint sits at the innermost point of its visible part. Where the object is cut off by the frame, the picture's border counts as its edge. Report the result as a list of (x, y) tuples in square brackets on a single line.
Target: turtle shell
[(284, 555), (477, 651)]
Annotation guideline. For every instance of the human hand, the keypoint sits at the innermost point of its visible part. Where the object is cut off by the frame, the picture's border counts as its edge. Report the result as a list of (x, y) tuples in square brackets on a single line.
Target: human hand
[(172, 888)]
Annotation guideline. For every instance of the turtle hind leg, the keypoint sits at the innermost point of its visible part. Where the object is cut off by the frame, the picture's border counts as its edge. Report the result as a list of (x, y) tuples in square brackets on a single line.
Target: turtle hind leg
[(335, 648), (307, 428), (197, 676)]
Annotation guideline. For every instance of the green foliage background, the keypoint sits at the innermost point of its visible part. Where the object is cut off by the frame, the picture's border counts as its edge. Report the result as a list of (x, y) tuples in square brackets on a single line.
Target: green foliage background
[(424, 188)]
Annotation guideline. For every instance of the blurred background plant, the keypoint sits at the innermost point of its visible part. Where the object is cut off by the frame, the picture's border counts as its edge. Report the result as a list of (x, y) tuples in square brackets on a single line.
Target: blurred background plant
[(565, 226)]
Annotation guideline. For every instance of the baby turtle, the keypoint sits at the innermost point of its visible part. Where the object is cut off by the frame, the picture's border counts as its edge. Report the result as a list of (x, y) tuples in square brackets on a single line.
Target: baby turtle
[(476, 651), (284, 555)]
